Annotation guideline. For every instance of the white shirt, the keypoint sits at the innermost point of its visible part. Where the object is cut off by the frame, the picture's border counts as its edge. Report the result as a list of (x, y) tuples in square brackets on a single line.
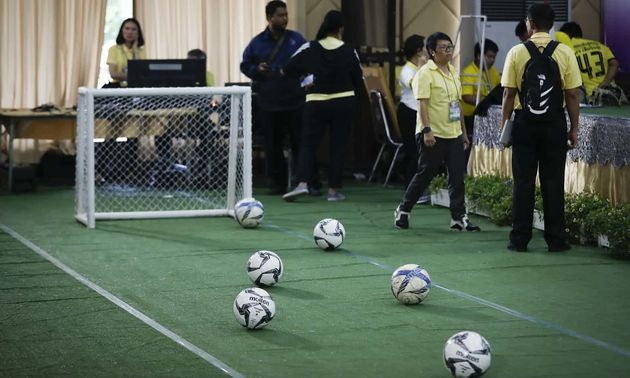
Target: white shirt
[(406, 93)]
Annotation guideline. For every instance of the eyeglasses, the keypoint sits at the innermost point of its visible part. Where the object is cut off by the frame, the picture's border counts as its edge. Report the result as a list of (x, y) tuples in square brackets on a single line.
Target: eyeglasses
[(447, 48)]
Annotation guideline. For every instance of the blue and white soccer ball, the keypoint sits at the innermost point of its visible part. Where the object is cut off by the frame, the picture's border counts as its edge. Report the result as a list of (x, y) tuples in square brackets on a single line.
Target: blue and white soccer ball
[(329, 234), (265, 268), (254, 308), (467, 354), (411, 284), (249, 212)]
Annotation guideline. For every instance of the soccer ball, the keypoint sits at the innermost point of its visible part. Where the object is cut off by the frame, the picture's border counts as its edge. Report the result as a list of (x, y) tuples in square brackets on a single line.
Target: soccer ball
[(249, 213), (411, 284), (254, 308), (265, 268), (467, 354), (329, 234)]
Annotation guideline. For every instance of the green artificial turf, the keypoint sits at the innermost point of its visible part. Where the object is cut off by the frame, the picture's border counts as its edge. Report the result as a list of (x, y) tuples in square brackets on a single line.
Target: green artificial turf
[(563, 314)]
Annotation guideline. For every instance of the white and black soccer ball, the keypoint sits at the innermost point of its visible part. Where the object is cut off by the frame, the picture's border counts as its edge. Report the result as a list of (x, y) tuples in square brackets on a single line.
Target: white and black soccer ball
[(411, 284), (265, 268), (249, 212), (329, 234), (254, 308), (467, 354)]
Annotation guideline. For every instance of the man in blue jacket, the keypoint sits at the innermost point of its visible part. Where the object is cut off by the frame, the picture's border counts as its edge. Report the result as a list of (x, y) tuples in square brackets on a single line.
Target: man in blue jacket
[(279, 99)]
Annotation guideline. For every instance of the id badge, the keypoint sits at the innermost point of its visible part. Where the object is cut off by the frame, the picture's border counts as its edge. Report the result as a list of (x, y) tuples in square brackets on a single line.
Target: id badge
[(454, 111)]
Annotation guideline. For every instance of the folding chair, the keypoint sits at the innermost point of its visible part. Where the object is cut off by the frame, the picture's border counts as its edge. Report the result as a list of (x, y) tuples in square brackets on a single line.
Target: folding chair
[(384, 133)]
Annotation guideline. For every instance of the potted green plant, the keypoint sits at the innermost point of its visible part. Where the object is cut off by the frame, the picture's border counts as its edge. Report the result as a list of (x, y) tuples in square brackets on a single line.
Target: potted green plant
[(611, 225), (490, 195), (578, 211), (439, 191)]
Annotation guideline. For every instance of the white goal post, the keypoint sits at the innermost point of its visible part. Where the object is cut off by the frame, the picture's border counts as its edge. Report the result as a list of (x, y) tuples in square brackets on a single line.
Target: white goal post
[(162, 152)]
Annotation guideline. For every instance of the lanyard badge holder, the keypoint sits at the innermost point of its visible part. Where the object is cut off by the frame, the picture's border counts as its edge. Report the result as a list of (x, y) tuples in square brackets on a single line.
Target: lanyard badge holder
[(454, 110)]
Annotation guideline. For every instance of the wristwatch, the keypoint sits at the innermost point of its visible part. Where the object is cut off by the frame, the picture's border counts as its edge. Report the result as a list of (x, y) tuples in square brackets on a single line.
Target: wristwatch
[(426, 130)]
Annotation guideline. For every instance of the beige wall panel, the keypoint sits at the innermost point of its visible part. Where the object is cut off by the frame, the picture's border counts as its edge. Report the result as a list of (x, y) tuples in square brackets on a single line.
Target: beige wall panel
[(426, 17), (314, 12), (587, 14)]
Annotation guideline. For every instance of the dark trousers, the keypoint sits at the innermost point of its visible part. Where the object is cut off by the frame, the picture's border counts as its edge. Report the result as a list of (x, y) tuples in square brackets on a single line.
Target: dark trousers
[(445, 151), (538, 147), (337, 116), (407, 123), (277, 126)]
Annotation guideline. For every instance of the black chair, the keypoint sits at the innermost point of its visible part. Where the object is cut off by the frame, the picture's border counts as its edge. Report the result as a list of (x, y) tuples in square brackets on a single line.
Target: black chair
[(384, 133)]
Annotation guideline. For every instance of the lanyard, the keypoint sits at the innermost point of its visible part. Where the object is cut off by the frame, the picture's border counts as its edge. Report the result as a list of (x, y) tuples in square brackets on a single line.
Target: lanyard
[(448, 94)]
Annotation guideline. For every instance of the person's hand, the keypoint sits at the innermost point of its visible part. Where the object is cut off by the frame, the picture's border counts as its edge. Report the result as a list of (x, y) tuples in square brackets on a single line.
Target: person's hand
[(429, 139), (572, 139), (466, 142), (263, 67)]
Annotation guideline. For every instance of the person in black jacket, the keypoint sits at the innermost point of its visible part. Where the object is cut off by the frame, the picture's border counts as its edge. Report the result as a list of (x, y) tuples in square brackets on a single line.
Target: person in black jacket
[(279, 99), (332, 74)]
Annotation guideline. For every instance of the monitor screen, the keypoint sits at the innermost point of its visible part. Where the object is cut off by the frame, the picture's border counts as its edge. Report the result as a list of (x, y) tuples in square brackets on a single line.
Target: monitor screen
[(166, 73)]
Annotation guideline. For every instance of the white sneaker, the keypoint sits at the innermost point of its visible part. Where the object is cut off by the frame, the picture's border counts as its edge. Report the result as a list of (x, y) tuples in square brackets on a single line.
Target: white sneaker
[(295, 193)]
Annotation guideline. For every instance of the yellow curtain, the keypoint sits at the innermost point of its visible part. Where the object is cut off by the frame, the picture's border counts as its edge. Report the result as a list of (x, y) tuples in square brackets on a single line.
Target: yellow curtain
[(222, 28), (49, 49), (606, 180)]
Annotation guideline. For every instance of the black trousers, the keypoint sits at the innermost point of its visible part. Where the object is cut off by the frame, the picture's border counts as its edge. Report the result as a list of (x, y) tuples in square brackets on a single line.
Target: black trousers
[(407, 122), (278, 125), (542, 148), (445, 151), (337, 116)]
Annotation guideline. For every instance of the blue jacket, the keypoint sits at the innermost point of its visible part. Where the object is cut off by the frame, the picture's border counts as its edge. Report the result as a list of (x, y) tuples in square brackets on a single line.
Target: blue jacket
[(274, 91)]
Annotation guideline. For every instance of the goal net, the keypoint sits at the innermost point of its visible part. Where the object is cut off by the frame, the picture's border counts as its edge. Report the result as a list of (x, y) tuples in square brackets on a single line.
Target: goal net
[(162, 152)]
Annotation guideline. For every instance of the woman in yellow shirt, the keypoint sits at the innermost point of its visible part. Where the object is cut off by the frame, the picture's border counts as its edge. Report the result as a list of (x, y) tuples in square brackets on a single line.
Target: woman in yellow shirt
[(129, 45), (440, 133)]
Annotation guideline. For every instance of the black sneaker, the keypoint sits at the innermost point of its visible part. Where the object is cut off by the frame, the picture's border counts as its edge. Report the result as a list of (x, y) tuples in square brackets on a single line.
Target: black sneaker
[(464, 225), (401, 219)]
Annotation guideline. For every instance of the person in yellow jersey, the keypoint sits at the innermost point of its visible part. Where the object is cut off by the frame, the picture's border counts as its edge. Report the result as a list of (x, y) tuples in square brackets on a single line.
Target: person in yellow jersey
[(129, 45), (407, 110), (440, 133), (470, 78), (545, 75), (596, 61)]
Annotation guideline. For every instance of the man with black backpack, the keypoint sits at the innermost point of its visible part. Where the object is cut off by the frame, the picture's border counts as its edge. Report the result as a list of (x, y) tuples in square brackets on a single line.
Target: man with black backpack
[(545, 76)]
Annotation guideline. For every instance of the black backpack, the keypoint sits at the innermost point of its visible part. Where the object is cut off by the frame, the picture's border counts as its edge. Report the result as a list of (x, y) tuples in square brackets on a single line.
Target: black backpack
[(541, 92)]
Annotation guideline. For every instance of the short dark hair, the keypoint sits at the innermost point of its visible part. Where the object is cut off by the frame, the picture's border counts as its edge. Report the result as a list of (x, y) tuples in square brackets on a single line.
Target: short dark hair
[(412, 45), (271, 7), (197, 54), (572, 29), (542, 15), (120, 40), (521, 28), (489, 45), (432, 41), (333, 21)]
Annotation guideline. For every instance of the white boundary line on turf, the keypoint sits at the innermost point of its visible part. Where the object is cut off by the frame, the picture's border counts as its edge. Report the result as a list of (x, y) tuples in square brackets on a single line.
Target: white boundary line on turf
[(125, 306), (549, 325)]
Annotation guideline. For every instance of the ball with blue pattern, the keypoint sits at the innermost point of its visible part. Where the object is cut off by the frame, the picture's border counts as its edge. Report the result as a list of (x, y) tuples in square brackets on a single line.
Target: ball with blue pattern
[(249, 212), (411, 284)]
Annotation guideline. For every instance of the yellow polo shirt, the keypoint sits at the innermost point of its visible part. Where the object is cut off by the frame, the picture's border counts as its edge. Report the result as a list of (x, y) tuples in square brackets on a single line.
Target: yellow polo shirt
[(470, 74), (518, 56), (120, 54), (430, 83)]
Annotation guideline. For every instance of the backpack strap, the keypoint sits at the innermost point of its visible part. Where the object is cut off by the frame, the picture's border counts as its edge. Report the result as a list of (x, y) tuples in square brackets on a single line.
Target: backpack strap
[(531, 47), (551, 47)]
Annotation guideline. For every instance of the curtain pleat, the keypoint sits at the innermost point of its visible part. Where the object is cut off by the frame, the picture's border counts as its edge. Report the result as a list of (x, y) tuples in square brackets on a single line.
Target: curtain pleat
[(49, 49)]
